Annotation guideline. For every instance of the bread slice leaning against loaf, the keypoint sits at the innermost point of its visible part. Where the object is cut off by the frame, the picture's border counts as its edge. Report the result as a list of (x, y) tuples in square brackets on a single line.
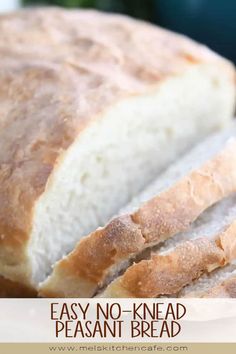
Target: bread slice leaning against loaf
[(207, 246), (89, 115), (197, 181)]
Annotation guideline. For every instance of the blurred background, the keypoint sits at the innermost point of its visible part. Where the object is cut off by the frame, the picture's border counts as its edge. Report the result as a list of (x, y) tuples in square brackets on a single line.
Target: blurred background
[(212, 22)]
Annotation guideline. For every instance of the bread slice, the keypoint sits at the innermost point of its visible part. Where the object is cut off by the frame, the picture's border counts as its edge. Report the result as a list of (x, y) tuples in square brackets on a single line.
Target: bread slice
[(220, 283), (93, 106), (166, 273), (197, 181)]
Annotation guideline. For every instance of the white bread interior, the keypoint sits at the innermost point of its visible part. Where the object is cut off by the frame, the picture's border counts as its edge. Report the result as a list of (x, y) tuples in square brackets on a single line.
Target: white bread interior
[(114, 158), (190, 161), (72, 285)]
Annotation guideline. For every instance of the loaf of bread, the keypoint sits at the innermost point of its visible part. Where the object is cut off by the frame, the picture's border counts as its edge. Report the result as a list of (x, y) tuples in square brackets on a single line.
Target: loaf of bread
[(183, 192), (93, 106)]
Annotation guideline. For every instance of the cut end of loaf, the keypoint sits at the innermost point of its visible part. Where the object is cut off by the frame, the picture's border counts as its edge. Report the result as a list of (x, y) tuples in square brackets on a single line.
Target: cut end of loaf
[(93, 259), (94, 179)]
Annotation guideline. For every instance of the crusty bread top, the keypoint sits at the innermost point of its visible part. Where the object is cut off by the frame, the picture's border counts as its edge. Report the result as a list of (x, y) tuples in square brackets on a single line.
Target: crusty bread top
[(59, 70)]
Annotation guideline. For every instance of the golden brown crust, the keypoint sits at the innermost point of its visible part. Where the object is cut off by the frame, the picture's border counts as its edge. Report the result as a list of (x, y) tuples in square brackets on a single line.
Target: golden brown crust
[(74, 65), (174, 210), (168, 274), (103, 247), (227, 289), (160, 218), (9, 288)]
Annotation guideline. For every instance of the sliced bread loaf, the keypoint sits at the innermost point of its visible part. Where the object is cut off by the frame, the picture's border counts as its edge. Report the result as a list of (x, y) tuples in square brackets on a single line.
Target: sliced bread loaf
[(167, 271), (197, 181), (93, 106)]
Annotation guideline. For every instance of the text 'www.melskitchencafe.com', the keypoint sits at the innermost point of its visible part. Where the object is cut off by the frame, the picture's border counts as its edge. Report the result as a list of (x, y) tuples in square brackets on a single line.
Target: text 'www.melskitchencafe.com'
[(113, 320)]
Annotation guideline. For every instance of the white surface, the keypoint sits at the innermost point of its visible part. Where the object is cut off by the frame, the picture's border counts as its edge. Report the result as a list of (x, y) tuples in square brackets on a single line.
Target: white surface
[(9, 5)]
